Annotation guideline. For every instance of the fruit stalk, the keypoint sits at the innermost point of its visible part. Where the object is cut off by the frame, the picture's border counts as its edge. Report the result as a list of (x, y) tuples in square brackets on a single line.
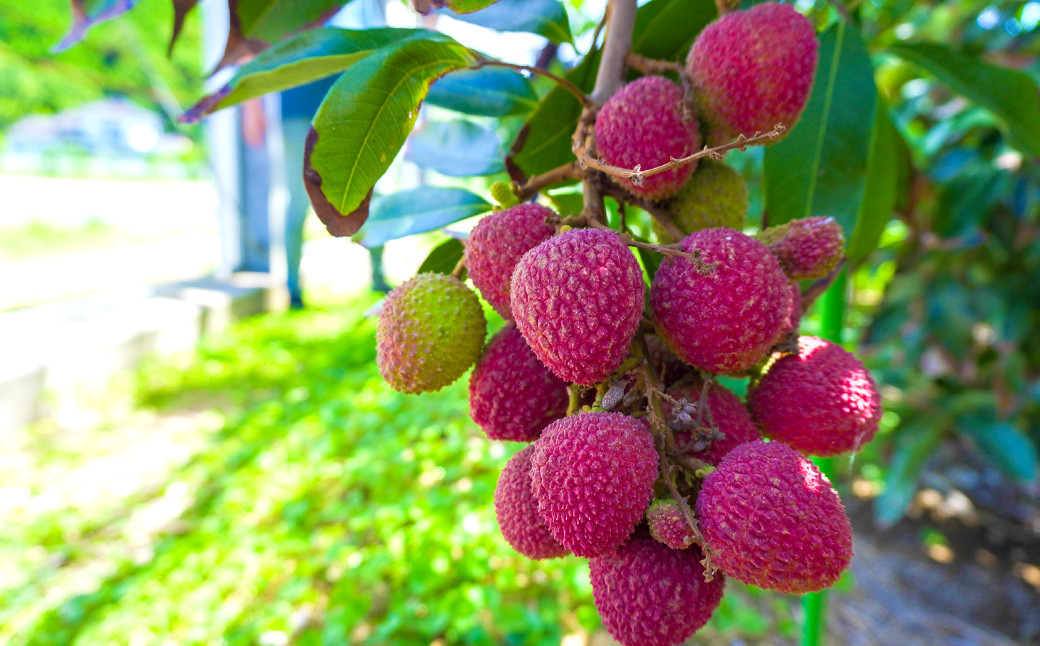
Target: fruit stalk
[(814, 605)]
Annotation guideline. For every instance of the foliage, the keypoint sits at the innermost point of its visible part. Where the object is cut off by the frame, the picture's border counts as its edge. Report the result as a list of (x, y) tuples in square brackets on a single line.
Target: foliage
[(327, 507)]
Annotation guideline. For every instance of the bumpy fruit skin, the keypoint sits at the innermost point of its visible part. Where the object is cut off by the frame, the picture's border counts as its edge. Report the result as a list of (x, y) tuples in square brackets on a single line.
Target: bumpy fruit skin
[(651, 595), (822, 401), (496, 244), (727, 412), (721, 320), (642, 125), (714, 196), (430, 331), (516, 510), (667, 525), (512, 396), (577, 298), (593, 475), (771, 519), (808, 248), (753, 69)]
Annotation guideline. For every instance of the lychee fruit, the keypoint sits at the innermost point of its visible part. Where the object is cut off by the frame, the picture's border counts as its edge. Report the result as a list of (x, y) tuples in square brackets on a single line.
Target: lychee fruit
[(771, 519), (794, 317), (723, 312), (821, 401), (644, 125), (806, 248), (753, 69), (650, 595), (512, 396), (725, 412), (516, 510), (714, 196), (430, 331), (593, 476), (496, 244), (577, 298), (668, 525)]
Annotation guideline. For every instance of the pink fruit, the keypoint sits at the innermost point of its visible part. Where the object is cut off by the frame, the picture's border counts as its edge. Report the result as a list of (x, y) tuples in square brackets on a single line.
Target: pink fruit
[(667, 524), (517, 511), (806, 248), (821, 401)]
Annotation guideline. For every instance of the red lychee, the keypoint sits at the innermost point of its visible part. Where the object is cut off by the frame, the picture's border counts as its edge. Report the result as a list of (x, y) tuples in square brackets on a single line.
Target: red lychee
[(651, 595), (512, 396), (821, 401), (517, 510), (771, 519), (593, 476), (668, 525), (753, 69), (496, 244), (721, 314), (577, 298), (806, 248), (725, 411), (644, 124), (430, 331)]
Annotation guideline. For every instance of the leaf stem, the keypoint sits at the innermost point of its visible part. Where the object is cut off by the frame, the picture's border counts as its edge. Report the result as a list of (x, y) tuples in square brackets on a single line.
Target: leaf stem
[(559, 80)]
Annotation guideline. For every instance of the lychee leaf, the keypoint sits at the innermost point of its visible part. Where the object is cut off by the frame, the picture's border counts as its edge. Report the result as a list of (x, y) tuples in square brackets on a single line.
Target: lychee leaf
[(312, 55), (469, 6), (272, 20), (915, 441), (1003, 444), (369, 112), (819, 168), (456, 149), (887, 165), (1010, 95), (443, 258), (665, 30), (543, 17), (418, 211), (488, 91), (86, 14)]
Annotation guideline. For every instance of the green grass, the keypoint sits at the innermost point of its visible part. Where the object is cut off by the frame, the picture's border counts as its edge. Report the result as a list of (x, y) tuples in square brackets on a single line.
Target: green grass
[(326, 508), (37, 238)]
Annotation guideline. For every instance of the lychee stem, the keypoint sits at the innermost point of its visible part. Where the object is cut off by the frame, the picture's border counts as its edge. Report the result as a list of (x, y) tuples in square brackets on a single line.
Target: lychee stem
[(559, 80), (534, 185), (651, 65), (665, 250)]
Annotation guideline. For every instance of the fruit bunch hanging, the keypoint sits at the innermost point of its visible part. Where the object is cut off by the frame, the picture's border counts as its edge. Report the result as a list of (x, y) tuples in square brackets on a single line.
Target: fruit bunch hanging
[(638, 458)]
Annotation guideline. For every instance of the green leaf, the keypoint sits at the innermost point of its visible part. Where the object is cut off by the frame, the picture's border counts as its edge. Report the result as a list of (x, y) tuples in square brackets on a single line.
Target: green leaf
[(965, 201), (1010, 95), (306, 57), (916, 440), (543, 17), (468, 6), (443, 258), (999, 440), (456, 149), (888, 161), (418, 211), (488, 91), (272, 20), (369, 112), (819, 168), (665, 30)]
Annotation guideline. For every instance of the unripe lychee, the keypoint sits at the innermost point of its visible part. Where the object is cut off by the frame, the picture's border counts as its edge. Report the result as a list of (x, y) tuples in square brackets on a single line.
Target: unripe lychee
[(516, 510), (714, 196), (593, 476), (822, 401), (771, 519), (496, 244), (644, 125), (577, 298), (725, 412), (430, 331), (650, 595), (722, 313), (668, 525), (512, 396), (753, 69), (806, 248)]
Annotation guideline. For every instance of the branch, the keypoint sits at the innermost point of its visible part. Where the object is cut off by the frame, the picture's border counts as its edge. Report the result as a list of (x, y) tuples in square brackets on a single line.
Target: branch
[(559, 80), (611, 73), (651, 65), (548, 178), (637, 175), (619, 193), (673, 250)]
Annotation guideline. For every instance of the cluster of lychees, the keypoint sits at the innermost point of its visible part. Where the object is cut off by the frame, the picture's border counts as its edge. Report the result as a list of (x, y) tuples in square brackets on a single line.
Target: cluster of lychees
[(639, 459)]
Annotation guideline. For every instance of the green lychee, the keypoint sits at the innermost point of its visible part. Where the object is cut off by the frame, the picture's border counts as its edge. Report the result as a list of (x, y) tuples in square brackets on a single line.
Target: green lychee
[(715, 196), (430, 331)]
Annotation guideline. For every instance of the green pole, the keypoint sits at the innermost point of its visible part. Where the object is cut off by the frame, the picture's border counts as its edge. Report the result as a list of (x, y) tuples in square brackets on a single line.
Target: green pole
[(814, 605)]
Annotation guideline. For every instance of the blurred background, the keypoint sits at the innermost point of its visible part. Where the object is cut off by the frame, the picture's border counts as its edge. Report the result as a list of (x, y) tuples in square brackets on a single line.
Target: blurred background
[(197, 450)]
